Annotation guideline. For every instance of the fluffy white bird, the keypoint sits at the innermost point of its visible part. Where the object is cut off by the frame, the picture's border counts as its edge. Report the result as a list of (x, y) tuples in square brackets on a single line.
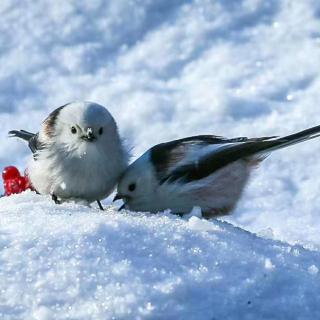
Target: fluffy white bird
[(209, 172), (77, 154)]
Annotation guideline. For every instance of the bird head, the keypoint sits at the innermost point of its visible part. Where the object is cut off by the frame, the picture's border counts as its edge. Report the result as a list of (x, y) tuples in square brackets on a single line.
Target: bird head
[(138, 184), (81, 125)]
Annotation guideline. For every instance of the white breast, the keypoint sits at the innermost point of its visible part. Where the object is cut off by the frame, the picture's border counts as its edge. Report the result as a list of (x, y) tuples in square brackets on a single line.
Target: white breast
[(89, 174)]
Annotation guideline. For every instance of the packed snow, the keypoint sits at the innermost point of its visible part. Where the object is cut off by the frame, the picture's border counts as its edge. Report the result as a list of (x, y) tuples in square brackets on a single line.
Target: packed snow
[(165, 70), (69, 262)]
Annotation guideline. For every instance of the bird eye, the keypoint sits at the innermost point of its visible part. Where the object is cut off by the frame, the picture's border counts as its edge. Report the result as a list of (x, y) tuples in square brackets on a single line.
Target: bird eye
[(73, 130), (132, 187), (100, 131)]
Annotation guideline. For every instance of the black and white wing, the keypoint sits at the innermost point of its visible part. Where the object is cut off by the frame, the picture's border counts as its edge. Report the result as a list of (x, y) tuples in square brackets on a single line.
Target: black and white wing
[(32, 138), (197, 157)]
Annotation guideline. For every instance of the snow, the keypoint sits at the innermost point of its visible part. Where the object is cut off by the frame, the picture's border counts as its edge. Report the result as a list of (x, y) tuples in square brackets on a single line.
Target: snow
[(165, 69), (313, 270), (71, 262)]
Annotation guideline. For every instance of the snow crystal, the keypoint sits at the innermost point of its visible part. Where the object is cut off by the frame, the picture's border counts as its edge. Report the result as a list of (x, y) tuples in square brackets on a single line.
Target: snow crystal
[(268, 264), (42, 313), (197, 224), (313, 270)]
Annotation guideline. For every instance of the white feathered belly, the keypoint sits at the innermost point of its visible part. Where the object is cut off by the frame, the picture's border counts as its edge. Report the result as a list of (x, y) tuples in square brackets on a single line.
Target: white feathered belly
[(216, 194), (90, 177)]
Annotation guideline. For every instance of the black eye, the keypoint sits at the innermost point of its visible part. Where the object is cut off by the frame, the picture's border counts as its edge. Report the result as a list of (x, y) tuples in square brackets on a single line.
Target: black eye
[(132, 187), (73, 130), (100, 131)]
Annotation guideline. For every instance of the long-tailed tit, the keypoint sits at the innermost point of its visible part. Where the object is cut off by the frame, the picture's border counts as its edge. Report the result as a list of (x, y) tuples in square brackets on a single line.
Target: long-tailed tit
[(205, 171), (77, 153)]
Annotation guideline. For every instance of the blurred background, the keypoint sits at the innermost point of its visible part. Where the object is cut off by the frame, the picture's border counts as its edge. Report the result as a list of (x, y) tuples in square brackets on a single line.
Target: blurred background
[(171, 68)]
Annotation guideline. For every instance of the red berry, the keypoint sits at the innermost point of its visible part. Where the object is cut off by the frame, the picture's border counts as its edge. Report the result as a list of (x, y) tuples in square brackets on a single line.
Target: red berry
[(22, 183), (10, 172), (12, 187), (15, 183)]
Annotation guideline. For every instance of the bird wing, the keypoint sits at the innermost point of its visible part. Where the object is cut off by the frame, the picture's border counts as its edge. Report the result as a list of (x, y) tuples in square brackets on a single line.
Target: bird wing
[(212, 162), (208, 162), (198, 156), (35, 144), (50, 121), (32, 138)]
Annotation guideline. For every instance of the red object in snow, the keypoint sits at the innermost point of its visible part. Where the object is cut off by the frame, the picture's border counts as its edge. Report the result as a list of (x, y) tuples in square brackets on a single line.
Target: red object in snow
[(13, 181), (10, 172)]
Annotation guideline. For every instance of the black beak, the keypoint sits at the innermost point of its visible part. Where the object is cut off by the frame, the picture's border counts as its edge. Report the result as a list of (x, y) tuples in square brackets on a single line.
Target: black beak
[(117, 197), (89, 136), (121, 197)]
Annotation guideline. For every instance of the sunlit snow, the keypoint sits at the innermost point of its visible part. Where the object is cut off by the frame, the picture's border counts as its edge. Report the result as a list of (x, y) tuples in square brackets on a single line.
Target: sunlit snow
[(165, 70)]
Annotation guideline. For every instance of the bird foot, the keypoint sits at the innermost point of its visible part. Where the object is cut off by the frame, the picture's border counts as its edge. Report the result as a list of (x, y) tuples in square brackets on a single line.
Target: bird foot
[(55, 199), (100, 205)]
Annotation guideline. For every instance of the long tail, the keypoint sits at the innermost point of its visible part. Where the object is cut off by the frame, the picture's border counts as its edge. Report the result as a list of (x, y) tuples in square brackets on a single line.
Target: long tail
[(252, 149), (292, 139), (25, 135), (248, 150)]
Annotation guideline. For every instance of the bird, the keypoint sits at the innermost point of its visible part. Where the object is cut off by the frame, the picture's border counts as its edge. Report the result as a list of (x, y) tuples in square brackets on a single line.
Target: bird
[(78, 154), (203, 171)]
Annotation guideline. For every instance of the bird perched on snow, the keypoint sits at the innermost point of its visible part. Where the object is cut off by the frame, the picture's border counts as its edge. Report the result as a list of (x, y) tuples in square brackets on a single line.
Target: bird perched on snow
[(209, 172), (77, 154)]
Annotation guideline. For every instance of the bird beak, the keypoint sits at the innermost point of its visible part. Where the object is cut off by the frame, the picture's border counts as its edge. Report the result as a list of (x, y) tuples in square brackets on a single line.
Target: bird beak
[(117, 197), (121, 197), (89, 136)]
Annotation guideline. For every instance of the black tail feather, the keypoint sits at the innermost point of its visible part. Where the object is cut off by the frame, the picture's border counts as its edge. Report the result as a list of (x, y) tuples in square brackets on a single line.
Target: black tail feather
[(216, 160), (31, 138), (22, 134), (292, 139)]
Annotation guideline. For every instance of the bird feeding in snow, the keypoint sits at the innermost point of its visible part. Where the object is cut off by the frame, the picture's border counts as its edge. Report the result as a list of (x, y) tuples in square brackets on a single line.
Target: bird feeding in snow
[(77, 154), (209, 172)]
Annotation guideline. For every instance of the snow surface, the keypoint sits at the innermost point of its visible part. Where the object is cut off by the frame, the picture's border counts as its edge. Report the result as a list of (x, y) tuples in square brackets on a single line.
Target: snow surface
[(68, 262), (165, 69)]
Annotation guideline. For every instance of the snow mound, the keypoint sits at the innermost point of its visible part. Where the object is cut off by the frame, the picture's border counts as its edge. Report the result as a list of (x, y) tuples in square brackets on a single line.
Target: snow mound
[(167, 69), (74, 262)]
